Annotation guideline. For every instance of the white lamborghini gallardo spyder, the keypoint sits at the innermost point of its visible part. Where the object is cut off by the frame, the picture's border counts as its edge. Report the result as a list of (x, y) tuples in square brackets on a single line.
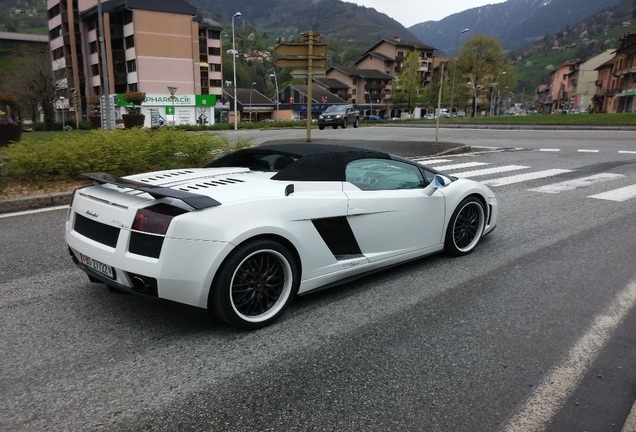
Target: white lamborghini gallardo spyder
[(246, 233)]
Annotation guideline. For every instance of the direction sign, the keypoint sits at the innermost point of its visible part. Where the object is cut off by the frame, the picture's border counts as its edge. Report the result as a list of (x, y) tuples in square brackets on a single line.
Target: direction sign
[(302, 73), (300, 62), (300, 49)]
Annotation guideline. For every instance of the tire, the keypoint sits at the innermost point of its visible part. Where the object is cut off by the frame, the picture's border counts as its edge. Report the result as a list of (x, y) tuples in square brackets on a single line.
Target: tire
[(465, 228), (254, 285), (344, 123), (321, 127), (356, 122), (335, 126)]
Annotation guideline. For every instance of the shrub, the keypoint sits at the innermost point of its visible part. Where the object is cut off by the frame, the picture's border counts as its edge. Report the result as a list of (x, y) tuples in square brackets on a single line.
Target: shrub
[(119, 152)]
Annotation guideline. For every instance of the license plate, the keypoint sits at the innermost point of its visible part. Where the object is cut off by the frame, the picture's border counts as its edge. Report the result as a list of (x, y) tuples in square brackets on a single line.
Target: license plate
[(98, 266)]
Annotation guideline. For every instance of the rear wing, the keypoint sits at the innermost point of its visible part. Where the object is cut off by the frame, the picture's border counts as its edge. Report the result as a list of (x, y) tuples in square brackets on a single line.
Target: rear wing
[(198, 202)]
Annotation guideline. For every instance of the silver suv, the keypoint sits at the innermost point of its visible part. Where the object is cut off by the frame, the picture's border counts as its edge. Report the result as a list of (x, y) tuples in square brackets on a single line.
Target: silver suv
[(339, 115)]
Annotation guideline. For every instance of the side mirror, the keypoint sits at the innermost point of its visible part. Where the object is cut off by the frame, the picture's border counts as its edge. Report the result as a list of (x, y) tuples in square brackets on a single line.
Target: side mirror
[(438, 182)]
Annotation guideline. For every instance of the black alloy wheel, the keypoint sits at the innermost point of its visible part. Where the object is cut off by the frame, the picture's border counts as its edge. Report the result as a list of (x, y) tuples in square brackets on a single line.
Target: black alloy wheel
[(465, 228)]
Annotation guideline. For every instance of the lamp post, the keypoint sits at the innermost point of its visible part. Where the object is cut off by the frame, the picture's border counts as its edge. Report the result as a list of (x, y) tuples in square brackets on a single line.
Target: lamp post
[(62, 99), (492, 95), (172, 91), (251, 91), (277, 101), (454, 72), (236, 15)]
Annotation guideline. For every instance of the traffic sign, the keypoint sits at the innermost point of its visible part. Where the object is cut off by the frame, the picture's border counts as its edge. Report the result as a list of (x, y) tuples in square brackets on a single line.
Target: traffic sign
[(300, 49), (300, 62), (302, 73)]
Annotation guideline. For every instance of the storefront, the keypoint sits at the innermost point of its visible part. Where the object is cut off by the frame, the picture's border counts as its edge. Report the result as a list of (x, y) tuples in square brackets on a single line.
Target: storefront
[(183, 110)]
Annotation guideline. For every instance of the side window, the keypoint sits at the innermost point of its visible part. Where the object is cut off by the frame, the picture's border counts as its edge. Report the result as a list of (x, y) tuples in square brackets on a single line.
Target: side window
[(383, 174)]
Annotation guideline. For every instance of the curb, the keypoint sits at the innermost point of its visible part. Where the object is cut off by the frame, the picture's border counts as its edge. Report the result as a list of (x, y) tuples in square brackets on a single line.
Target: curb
[(35, 202)]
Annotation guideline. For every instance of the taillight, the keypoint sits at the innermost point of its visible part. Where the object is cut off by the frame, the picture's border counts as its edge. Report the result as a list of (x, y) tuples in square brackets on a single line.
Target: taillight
[(155, 219)]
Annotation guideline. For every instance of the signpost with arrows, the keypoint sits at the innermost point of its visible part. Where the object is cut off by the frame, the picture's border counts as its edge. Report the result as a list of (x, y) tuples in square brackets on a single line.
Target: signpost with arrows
[(304, 56)]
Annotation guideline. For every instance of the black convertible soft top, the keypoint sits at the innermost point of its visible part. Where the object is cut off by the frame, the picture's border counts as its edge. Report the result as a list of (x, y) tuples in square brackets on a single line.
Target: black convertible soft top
[(309, 162)]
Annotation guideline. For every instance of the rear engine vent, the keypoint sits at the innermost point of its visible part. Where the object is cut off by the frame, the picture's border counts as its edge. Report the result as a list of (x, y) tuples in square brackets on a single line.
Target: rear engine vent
[(101, 233), (212, 183), (167, 175)]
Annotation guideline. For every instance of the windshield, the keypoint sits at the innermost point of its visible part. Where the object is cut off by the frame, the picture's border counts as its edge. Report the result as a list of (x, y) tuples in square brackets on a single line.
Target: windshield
[(336, 109)]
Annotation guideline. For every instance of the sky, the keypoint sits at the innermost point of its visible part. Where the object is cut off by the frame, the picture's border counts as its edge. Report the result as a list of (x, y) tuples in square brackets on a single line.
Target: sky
[(411, 12)]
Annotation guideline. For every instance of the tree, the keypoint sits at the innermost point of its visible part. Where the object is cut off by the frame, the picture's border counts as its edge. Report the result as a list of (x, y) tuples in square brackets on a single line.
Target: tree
[(482, 63), (409, 81)]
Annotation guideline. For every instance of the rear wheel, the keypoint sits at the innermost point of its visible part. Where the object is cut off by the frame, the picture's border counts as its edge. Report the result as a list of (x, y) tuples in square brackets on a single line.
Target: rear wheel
[(254, 285), (465, 228), (356, 122)]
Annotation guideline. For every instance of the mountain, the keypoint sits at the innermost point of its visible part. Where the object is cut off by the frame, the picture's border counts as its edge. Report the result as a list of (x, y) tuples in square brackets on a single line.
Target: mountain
[(336, 21), (515, 22)]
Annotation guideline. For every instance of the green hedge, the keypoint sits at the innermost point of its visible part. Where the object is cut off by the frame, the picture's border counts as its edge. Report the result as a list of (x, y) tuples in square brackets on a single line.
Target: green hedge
[(120, 152)]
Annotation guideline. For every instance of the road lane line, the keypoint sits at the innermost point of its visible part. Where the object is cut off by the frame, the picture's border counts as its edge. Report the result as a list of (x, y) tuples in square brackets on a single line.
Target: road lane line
[(587, 151), (428, 161), (490, 171), (557, 386), (458, 166), (626, 152), (525, 177), (577, 183), (28, 212), (550, 150), (619, 195)]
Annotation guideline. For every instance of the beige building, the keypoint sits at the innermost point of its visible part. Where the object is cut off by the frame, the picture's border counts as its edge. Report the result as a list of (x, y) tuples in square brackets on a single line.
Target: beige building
[(150, 45)]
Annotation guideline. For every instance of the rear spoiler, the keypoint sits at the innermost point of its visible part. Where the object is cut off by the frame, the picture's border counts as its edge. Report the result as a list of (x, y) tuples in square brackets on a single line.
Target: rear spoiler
[(198, 202)]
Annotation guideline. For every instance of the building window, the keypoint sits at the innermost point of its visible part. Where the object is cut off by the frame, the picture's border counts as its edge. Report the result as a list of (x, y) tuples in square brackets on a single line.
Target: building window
[(131, 66), (133, 87), (128, 16), (214, 51), (214, 34), (56, 32), (58, 53), (92, 23), (130, 41), (95, 69), (355, 81), (54, 11), (215, 83), (215, 67), (93, 47), (353, 92)]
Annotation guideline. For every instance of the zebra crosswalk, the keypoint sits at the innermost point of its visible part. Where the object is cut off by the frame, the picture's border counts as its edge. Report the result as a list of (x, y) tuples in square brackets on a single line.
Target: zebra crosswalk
[(504, 175)]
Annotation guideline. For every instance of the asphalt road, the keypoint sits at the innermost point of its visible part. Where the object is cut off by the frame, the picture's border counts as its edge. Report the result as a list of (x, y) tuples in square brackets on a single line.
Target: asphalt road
[(536, 330)]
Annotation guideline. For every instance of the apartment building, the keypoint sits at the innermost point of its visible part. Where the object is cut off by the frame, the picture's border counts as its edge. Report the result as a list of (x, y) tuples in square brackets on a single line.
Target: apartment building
[(150, 45)]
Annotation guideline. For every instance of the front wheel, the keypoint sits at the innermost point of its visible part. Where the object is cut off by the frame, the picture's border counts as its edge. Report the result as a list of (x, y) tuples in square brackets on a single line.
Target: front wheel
[(344, 124), (321, 127), (465, 228), (356, 123), (254, 285)]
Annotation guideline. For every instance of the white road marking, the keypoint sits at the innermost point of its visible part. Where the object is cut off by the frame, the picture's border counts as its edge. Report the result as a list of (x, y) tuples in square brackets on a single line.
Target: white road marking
[(489, 171), (432, 161), (28, 212), (587, 151), (458, 166), (576, 183), (550, 395), (525, 177), (622, 194), (550, 150), (626, 152)]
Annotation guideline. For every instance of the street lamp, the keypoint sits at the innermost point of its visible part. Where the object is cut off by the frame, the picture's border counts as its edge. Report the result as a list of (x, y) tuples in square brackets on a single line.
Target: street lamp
[(277, 97), (172, 91), (236, 15), (251, 91), (62, 99), (454, 72), (492, 95)]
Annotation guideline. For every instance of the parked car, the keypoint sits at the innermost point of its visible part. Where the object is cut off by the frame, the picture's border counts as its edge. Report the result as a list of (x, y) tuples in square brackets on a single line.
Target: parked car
[(339, 115), (191, 236), (372, 118)]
